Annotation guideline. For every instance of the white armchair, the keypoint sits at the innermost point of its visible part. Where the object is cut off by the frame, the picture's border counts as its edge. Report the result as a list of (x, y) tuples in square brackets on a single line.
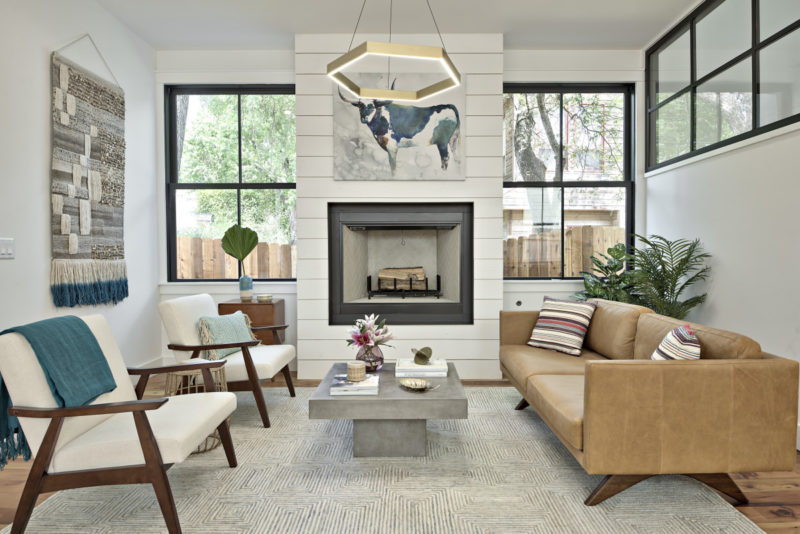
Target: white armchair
[(100, 443), (245, 369)]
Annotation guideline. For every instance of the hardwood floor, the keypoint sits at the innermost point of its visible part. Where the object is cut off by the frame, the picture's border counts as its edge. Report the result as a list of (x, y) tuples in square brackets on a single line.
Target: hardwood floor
[(774, 497)]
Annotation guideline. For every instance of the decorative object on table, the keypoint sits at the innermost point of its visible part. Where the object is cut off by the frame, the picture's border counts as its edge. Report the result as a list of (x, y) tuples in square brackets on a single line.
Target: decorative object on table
[(422, 356), (412, 369), (679, 344), (356, 371), (449, 78), (417, 384), (87, 186), (264, 298), (562, 325), (387, 140), (664, 270), (265, 318), (221, 329), (238, 242), (368, 337), (342, 386)]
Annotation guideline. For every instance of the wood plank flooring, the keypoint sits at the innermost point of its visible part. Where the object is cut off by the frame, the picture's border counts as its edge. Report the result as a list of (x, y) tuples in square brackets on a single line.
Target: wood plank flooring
[(774, 497)]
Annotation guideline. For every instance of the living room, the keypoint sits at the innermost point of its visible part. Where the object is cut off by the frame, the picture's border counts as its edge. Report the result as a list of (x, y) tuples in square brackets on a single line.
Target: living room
[(168, 161)]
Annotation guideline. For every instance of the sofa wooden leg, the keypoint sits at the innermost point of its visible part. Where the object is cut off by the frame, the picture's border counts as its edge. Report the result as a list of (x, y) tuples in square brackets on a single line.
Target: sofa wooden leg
[(723, 483), (611, 485), (522, 405)]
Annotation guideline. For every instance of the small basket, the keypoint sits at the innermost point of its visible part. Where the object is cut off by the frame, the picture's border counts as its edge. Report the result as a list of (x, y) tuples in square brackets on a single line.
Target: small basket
[(185, 382)]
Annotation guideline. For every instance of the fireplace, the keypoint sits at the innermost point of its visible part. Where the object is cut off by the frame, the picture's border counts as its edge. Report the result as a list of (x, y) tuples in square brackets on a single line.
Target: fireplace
[(411, 263)]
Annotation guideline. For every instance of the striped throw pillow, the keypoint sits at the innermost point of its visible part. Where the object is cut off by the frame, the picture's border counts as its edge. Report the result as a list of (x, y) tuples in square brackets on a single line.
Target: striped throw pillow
[(562, 325), (678, 344)]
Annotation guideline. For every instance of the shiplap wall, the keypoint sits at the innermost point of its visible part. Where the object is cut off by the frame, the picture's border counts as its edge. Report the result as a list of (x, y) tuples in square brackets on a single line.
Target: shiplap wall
[(473, 348)]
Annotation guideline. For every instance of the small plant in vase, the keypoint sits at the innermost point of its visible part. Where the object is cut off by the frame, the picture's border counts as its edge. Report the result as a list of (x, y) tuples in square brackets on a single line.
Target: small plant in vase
[(238, 242), (368, 335)]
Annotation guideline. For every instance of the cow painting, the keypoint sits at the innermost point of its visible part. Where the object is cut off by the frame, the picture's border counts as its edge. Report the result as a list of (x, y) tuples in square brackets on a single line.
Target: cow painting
[(396, 126)]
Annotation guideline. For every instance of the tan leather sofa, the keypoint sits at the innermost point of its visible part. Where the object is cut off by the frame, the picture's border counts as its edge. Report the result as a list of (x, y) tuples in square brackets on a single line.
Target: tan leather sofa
[(628, 417)]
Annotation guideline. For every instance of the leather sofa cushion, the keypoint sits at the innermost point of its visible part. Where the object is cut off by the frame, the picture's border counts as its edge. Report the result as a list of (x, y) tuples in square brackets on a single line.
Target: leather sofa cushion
[(612, 331), (559, 400), (715, 344), (523, 362)]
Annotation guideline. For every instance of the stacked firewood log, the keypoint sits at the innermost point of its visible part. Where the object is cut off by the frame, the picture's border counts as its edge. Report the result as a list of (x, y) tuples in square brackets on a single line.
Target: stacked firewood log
[(402, 278)]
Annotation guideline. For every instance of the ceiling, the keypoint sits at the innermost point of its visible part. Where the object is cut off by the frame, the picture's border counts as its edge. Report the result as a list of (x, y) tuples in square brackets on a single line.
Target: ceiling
[(255, 24)]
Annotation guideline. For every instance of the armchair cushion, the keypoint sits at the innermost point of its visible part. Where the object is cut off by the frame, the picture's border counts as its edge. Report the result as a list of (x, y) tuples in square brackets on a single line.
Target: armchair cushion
[(220, 329), (179, 425), (268, 360)]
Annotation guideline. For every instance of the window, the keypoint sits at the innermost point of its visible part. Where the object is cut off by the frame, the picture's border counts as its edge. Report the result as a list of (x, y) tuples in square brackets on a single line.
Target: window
[(727, 72), (230, 159), (567, 185)]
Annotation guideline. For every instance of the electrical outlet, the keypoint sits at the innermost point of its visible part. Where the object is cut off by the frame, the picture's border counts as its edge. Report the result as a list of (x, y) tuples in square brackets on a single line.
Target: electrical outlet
[(6, 248)]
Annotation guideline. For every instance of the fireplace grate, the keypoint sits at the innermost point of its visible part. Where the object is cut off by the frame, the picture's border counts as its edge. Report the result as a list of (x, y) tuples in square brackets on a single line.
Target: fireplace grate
[(402, 292)]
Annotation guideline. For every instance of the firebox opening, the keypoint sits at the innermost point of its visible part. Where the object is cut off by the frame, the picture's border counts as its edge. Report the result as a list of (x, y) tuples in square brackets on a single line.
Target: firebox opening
[(411, 263)]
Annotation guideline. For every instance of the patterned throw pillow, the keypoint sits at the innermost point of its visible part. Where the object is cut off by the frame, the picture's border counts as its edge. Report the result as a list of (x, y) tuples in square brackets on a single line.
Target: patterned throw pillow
[(679, 344), (562, 325), (224, 329)]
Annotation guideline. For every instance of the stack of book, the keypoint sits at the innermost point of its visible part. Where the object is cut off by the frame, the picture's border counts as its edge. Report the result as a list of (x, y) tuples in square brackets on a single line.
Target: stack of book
[(409, 369), (342, 386)]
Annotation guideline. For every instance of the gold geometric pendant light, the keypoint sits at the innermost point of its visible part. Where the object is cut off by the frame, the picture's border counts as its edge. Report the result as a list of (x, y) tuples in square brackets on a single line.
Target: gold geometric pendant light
[(408, 51)]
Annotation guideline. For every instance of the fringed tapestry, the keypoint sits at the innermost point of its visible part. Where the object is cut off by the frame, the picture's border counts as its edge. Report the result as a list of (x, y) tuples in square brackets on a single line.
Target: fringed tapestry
[(87, 187)]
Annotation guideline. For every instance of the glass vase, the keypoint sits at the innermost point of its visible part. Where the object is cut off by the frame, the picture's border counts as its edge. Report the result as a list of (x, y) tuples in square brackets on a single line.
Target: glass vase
[(372, 357)]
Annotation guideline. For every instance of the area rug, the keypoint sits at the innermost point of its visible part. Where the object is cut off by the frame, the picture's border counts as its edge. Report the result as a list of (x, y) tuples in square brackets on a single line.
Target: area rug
[(501, 470)]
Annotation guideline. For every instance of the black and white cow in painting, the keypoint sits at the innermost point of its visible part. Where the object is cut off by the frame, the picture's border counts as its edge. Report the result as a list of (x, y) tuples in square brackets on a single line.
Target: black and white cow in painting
[(396, 126)]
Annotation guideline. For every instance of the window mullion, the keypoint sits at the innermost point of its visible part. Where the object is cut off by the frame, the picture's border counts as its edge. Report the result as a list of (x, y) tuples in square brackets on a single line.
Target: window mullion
[(239, 189), (754, 62)]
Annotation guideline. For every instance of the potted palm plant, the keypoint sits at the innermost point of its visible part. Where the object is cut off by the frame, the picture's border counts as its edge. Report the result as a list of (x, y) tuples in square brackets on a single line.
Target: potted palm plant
[(238, 242)]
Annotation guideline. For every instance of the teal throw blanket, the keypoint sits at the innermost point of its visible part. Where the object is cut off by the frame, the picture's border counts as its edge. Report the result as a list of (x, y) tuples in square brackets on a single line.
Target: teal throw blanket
[(74, 365)]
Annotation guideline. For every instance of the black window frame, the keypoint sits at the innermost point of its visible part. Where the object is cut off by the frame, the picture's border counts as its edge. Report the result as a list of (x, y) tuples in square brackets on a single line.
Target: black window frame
[(172, 172), (629, 164), (689, 23)]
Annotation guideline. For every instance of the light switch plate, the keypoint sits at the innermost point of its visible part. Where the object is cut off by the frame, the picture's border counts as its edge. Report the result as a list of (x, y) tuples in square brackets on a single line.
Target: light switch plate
[(6, 248)]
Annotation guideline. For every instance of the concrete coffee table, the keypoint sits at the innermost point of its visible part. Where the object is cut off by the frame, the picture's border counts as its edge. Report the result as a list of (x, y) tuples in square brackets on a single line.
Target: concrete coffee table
[(392, 423)]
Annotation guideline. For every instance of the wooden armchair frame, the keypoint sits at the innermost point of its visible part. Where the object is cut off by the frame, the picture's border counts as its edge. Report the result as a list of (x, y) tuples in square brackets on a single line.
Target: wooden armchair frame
[(154, 470), (253, 382)]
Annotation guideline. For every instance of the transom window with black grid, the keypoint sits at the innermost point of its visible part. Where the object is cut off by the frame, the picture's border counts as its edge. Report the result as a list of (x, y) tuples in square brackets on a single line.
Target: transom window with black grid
[(727, 72)]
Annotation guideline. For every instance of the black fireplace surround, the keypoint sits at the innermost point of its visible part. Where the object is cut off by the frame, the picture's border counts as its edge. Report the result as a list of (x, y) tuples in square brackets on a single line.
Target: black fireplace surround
[(396, 216)]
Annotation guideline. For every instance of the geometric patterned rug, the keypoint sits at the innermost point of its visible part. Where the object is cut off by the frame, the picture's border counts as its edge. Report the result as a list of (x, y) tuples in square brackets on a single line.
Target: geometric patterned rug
[(501, 470)]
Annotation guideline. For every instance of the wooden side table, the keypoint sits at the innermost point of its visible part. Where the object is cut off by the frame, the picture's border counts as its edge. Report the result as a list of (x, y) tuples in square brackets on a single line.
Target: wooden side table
[(261, 314)]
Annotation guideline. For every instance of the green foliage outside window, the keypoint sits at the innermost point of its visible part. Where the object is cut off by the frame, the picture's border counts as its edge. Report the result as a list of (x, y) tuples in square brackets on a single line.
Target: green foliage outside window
[(210, 154)]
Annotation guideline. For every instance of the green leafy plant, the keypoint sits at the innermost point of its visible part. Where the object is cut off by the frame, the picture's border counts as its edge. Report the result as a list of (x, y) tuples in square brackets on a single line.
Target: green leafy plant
[(608, 279), (239, 242), (664, 270)]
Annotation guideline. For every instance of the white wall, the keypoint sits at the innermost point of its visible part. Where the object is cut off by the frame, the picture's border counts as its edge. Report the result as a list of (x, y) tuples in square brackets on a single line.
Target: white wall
[(742, 204), (473, 348), (576, 66), (29, 31)]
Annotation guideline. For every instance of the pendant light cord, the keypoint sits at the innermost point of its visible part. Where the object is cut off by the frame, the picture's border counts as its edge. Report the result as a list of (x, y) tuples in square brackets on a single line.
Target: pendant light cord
[(357, 23), (389, 58), (436, 25)]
